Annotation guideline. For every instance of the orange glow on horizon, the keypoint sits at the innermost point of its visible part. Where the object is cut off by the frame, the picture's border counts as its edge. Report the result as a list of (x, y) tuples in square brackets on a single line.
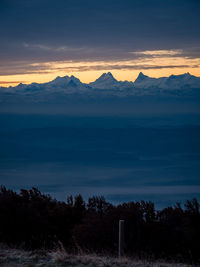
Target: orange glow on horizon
[(160, 64), (90, 76)]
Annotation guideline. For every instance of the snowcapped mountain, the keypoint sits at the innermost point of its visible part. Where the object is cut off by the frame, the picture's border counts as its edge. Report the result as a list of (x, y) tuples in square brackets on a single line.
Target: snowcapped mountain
[(106, 95), (107, 81), (169, 83), (64, 84), (182, 81), (106, 84)]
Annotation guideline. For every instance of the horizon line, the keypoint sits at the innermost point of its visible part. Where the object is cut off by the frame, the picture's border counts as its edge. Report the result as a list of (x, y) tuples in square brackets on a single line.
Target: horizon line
[(103, 73)]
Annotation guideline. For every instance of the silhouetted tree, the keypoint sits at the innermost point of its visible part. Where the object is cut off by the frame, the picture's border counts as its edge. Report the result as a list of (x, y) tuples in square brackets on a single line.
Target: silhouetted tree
[(35, 220)]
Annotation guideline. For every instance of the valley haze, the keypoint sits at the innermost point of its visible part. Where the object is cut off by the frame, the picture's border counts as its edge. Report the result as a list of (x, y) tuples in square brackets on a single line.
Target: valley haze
[(124, 140)]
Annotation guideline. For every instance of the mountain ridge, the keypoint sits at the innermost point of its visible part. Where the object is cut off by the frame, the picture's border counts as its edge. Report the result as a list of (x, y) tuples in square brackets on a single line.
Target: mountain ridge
[(107, 77), (107, 84)]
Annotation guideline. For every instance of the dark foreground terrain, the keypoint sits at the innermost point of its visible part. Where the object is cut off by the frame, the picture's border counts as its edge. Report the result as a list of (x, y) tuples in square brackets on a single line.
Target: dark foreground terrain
[(33, 221), (17, 258)]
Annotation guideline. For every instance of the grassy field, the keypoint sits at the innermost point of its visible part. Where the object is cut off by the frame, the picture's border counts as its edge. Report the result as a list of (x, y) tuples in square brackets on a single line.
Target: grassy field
[(59, 257)]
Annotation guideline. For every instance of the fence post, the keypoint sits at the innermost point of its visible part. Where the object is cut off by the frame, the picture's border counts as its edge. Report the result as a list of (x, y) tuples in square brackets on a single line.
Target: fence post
[(121, 238)]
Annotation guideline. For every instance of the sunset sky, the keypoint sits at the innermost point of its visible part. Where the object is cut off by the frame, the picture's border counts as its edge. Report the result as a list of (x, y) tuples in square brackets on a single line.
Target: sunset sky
[(42, 39)]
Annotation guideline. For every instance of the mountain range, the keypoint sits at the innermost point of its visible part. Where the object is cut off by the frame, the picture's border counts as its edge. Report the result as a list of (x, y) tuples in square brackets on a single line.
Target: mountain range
[(106, 82), (106, 95)]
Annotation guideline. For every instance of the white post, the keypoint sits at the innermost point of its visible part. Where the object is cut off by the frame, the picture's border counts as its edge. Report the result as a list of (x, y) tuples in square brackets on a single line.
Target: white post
[(121, 238)]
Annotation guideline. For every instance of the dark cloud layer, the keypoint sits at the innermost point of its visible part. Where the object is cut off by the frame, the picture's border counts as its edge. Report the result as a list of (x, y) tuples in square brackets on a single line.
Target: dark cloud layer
[(117, 24), (41, 69)]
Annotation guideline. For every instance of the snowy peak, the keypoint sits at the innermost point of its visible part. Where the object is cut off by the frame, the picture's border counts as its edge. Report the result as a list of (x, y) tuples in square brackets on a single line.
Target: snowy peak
[(143, 81), (172, 82), (65, 81), (141, 77), (60, 81), (184, 77), (66, 84), (106, 76), (106, 81), (182, 81)]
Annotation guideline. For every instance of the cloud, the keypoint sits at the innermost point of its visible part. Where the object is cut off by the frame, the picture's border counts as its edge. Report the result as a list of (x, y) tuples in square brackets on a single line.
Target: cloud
[(113, 24), (159, 53), (47, 48), (122, 67), (8, 82), (70, 66), (42, 58)]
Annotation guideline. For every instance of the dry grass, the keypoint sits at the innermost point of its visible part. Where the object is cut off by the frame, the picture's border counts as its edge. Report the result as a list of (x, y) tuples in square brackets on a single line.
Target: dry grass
[(59, 257)]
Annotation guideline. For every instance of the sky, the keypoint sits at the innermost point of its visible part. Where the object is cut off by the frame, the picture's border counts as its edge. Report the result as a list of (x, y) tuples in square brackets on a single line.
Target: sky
[(43, 39)]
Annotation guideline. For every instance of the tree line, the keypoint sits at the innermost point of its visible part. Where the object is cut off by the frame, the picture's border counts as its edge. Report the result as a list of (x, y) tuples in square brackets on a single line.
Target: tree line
[(33, 220)]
